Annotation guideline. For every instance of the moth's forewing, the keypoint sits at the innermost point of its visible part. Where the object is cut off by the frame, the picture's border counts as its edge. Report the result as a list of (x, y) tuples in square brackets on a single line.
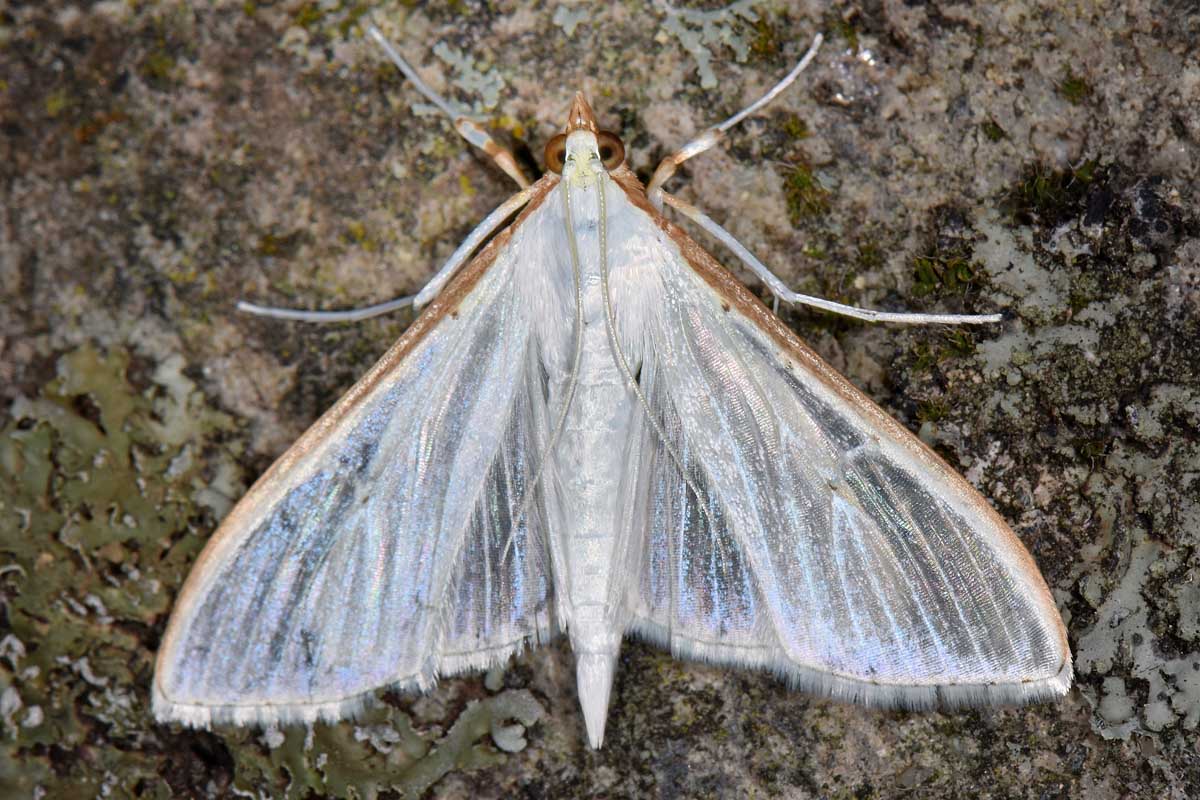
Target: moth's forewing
[(355, 562), (835, 548)]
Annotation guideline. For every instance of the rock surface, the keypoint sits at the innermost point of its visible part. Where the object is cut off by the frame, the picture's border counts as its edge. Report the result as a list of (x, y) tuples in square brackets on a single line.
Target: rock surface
[(159, 161)]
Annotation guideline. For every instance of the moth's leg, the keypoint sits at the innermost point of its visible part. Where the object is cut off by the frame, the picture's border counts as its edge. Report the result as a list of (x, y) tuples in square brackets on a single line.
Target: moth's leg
[(459, 257), (468, 129), (474, 239), (782, 292), (349, 315), (716, 133)]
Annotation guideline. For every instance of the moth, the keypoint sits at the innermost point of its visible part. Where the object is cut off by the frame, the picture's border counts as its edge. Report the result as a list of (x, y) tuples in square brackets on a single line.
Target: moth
[(595, 429)]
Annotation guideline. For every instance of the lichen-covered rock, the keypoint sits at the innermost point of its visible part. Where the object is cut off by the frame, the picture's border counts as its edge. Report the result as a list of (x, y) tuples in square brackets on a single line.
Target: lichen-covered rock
[(159, 160)]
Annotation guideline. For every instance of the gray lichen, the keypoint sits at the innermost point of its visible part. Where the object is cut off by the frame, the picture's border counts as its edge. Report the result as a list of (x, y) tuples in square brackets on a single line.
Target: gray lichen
[(698, 30)]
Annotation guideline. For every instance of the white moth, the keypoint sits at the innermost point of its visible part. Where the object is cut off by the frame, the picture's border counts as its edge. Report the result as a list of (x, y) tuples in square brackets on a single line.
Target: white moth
[(594, 428)]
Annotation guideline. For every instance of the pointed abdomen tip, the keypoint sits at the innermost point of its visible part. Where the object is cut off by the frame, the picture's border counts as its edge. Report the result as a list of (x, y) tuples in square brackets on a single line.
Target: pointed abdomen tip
[(594, 677)]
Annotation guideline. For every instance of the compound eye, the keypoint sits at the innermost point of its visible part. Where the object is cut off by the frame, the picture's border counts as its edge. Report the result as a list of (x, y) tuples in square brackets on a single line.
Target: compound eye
[(612, 152), (556, 153)]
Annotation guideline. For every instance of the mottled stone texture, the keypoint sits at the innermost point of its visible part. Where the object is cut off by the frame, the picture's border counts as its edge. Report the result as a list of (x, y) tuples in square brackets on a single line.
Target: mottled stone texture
[(158, 161)]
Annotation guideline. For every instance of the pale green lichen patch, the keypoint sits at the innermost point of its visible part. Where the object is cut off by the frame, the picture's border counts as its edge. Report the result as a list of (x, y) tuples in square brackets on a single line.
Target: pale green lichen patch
[(569, 18), (1124, 637), (735, 25), (382, 752), (1086, 348), (98, 496), (1005, 256), (477, 80)]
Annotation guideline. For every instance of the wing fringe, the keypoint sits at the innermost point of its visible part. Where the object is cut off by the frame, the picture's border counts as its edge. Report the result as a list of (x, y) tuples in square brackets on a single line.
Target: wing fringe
[(855, 690), (265, 714)]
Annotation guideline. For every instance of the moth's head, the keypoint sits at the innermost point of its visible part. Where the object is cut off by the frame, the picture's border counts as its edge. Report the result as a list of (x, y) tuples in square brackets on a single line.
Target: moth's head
[(582, 145)]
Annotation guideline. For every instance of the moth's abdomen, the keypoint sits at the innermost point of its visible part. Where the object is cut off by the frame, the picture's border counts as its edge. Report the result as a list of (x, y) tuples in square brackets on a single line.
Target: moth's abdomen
[(589, 462)]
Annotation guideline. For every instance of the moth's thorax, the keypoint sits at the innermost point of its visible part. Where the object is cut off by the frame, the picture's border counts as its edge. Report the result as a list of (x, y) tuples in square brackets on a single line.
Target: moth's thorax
[(628, 242), (583, 158)]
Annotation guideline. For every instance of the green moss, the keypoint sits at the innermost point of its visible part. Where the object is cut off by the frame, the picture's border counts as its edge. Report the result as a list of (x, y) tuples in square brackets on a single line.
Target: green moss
[(814, 251), (464, 184), (357, 233), (1074, 88), (57, 102), (1085, 289), (183, 277), (795, 126), (925, 356), (158, 68), (460, 749), (341, 17), (959, 342), (870, 256), (845, 28), (1092, 450), (1045, 195), (943, 273), (309, 15), (382, 751), (765, 43), (993, 131), (283, 245), (932, 410), (353, 14), (804, 194), (944, 346)]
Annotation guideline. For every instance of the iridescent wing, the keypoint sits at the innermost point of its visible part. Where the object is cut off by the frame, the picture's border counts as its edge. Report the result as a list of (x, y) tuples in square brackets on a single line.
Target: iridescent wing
[(814, 536), (381, 549)]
